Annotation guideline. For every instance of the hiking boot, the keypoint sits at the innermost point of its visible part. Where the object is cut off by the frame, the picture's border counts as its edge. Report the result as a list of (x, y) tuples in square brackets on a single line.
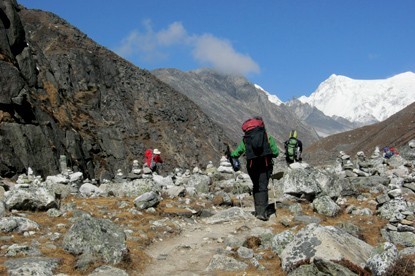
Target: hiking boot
[(261, 213), (270, 210), (262, 217), (261, 204)]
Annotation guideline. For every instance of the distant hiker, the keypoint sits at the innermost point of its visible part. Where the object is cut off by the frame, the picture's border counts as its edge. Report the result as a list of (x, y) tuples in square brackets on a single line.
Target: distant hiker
[(153, 159), (293, 148), (259, 149), (388, 152)]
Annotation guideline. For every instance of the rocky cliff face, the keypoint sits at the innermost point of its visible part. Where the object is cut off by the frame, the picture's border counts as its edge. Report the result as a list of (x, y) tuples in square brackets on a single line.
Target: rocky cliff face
[(229, 100), (62, 94)]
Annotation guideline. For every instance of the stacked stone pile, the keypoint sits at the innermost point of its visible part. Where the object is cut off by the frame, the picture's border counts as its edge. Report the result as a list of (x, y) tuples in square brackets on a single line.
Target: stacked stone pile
[(387, 185)]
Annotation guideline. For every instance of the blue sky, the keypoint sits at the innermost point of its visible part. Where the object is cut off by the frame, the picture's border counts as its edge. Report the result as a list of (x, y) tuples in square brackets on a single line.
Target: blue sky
[(288, 47)]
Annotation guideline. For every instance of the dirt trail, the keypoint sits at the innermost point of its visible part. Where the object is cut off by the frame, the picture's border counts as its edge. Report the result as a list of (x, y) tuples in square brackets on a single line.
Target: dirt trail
[(191, 251)]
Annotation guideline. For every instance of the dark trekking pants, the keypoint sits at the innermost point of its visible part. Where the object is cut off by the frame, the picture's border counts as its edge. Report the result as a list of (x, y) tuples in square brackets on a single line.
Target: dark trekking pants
[(259, 171)]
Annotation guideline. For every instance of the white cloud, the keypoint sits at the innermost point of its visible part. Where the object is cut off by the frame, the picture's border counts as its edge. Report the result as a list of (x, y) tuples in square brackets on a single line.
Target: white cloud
[(144, 45), (222, 56), (206, 49), (175, 33)]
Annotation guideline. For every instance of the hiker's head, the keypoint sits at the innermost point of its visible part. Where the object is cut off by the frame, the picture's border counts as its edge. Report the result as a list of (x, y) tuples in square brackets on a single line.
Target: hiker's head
[(156, 151), (293, 134)]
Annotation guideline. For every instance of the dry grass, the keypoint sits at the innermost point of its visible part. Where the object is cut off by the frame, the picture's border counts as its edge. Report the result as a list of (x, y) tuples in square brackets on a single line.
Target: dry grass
[(403, 267), (100, 208)]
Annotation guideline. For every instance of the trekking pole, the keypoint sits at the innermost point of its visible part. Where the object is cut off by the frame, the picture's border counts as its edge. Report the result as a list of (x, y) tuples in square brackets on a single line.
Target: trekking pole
[(240, 196), (277, 176), (275, 195)]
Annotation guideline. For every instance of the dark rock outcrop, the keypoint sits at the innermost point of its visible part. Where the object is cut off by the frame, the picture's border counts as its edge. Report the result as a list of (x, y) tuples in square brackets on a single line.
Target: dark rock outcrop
[(62, 94)]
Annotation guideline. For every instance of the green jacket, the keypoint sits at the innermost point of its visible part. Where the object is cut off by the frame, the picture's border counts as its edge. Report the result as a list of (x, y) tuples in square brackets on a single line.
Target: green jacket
[(241, 148)]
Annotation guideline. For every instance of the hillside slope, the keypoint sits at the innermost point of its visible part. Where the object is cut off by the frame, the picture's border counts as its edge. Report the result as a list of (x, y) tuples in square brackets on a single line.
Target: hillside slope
[(395, 131), (62, 94), (229, 100)]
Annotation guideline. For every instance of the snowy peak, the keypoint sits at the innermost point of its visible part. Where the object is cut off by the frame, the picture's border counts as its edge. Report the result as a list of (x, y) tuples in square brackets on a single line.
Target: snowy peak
[(272, 98), (363, 101)]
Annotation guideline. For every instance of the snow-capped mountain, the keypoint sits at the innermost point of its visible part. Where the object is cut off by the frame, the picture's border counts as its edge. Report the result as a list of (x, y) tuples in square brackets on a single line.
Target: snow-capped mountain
[(272, 98), (363, 101)]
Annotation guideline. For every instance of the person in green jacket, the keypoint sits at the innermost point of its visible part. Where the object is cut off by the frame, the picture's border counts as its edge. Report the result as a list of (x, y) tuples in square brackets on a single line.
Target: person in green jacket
[(259, 149)]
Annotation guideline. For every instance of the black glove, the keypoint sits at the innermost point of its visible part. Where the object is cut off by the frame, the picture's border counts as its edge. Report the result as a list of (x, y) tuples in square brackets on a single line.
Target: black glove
[(227, 152)]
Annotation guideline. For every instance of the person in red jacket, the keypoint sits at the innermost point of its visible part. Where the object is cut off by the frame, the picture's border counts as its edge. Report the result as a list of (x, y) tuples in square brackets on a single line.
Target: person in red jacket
[(153, 159)]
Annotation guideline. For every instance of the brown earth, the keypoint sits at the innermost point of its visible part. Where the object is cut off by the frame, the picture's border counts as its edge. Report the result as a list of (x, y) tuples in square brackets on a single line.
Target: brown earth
[(395, 131)]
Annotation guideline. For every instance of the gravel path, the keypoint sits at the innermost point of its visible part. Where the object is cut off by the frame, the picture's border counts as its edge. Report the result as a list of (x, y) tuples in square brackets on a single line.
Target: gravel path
[(191, 251)]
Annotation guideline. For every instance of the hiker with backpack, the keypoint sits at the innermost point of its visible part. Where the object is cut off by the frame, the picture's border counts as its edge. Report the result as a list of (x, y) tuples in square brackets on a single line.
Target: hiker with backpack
[(293, 148), (153, 159), (259, 149), (388, 152)]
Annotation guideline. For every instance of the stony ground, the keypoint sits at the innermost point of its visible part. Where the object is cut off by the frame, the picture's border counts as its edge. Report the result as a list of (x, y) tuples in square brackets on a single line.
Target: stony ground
[(170, 241)]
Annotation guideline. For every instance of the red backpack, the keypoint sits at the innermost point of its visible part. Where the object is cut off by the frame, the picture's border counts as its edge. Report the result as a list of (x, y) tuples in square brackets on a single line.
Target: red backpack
[(251, 124), (148, 156), (255, 139)]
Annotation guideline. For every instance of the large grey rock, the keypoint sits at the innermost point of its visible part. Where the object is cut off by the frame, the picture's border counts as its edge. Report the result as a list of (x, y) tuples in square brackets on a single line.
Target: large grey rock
[(133, 188), (230, 214), (301, 182), (331, 268), (95, 240), (343, 187), (200, 182), (385, 256), (90, 190), (225, 263), (327, 243), (107, 270), (392, 209), (22, 250), (32, 198), (406, 239), (364, 183), (17, 224), (32, 266), (306, 270), (326, 206), (280, 240), (146, 200), (2, 209)]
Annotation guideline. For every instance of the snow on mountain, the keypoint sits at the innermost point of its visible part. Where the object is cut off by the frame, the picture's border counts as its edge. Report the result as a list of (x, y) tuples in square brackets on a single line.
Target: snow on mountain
[(272, 98), (363, 101)]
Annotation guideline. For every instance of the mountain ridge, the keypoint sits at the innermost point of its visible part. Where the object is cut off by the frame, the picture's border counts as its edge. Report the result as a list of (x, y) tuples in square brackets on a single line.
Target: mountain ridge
[(363, 101), (230, 100)]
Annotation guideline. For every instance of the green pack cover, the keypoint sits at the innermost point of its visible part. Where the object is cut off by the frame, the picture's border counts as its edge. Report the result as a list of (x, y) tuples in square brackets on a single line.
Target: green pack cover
[(291, 148)]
